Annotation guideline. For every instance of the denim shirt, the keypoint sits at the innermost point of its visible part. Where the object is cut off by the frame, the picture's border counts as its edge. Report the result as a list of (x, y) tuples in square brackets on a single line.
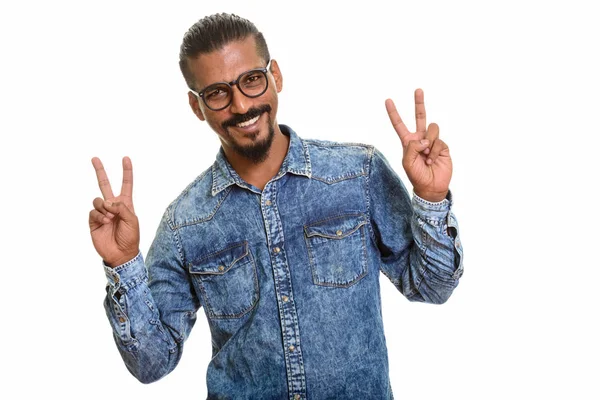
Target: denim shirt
[(288, 277)]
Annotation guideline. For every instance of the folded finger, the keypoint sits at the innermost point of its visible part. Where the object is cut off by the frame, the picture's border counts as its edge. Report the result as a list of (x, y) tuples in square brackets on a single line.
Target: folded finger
[(101, 208), (412, 151), (433, 132), (97, 218), (436, 149)]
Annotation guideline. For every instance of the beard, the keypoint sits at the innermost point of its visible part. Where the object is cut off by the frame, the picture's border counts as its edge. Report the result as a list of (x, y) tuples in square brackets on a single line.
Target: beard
[(258, 151)]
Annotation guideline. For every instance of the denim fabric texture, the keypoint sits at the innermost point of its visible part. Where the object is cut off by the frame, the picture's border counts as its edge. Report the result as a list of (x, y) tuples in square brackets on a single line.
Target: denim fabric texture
[(288, 277)]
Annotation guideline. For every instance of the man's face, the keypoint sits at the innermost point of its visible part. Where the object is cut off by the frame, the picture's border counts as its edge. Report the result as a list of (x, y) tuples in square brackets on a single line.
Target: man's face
[(247, 125)]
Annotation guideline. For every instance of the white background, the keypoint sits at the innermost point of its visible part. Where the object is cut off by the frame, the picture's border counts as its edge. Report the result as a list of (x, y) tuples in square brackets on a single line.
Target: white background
[(513, 85)]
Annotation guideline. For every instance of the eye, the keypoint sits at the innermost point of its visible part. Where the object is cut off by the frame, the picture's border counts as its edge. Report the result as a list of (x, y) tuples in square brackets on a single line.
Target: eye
[(253, 79), (214, 93)]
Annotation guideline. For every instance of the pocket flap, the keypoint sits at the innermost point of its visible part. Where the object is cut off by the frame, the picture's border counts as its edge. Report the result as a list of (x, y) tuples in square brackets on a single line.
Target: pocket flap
[(220, 262), (336, 227)]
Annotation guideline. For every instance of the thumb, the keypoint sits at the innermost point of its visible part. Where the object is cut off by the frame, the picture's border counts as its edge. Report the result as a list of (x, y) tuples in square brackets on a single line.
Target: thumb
[(412, 151), (119, 208)]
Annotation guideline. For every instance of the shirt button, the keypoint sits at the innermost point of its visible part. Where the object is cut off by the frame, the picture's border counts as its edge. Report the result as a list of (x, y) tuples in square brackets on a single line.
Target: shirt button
[(297, 397), (268, 202), (292, 348), (285, 298), (276, 250), (339, 233)]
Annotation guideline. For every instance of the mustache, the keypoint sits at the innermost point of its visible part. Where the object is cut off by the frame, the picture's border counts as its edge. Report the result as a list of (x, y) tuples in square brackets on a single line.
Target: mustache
[(252, 113)]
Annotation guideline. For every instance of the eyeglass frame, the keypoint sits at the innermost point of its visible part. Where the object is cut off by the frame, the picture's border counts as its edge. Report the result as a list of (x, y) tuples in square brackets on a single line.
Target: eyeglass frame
[(233, 83)]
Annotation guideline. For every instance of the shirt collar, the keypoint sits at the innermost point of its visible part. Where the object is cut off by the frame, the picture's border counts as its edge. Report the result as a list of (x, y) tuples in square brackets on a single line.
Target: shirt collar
[(297, 161)]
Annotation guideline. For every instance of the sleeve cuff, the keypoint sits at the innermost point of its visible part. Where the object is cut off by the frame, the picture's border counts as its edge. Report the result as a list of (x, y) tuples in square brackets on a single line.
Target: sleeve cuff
[(127, 275), (430, 209)]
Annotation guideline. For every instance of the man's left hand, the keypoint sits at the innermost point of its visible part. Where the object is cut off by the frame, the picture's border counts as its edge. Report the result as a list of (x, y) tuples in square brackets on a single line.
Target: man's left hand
[(426, 158)]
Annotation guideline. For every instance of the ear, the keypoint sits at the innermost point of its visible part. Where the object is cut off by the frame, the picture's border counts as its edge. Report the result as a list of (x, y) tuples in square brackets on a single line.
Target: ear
[(195, 105), (277, 75)]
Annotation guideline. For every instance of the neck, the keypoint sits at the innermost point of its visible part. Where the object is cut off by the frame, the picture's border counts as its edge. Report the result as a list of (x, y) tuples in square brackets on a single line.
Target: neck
[(258, 174)]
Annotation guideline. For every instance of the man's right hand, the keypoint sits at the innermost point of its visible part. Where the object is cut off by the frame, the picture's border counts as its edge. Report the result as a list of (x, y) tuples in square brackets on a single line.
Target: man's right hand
[(113, 224)]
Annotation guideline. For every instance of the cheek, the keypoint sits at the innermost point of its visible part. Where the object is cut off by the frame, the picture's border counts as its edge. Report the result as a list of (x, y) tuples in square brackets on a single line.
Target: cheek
[(215, 118), (214, 125), (214, 122), (274, 105)]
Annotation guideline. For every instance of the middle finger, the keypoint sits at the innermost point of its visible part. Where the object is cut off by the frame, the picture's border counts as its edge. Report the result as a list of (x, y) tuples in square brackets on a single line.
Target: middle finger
[(420, 115)]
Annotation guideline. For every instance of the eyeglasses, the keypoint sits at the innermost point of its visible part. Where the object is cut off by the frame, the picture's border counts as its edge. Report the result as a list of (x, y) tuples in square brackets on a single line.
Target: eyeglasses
[(218, 96)]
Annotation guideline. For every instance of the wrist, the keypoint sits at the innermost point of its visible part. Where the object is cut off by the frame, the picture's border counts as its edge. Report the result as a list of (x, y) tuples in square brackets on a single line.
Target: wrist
[(113, 263), (432, 197)]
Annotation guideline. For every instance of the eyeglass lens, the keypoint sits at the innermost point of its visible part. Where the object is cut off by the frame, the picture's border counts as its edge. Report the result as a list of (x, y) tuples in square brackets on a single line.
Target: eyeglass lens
[(251, 84)]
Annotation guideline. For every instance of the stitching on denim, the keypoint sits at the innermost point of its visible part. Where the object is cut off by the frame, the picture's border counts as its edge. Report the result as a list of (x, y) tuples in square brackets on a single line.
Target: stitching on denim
[(332, 236), (328, 144), (368, 168), (312, 258), (438, 206), (307, 157), (325, 143), (422, 271), (133, 282), (176, 239), (175, 202), (279, 228), (336, 216), (341, 178), (223, 195), (232, 246), (186, 315), (215, 189), (198, 277)]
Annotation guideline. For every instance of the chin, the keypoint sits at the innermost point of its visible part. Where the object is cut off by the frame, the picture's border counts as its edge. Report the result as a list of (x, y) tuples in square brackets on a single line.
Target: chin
[(258, 150)]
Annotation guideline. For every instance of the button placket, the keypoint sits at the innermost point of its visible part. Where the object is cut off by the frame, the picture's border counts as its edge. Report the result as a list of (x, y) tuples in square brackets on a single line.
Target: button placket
[(283, 290)]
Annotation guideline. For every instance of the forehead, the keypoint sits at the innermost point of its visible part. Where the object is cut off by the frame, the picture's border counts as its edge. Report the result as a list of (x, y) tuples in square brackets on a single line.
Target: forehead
[(225, 64)]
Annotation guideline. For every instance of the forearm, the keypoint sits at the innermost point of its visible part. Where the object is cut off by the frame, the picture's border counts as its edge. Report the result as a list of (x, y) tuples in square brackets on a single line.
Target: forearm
[(147, 346), (436, 256), (418, 240)]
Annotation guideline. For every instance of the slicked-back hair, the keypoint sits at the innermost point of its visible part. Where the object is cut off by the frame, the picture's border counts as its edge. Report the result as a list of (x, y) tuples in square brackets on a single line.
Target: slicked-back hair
[(213, 33)]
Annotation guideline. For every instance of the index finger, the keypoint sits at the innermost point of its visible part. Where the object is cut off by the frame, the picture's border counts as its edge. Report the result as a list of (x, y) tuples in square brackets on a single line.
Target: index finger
[(127, 185), (396, 120), (103, 181)]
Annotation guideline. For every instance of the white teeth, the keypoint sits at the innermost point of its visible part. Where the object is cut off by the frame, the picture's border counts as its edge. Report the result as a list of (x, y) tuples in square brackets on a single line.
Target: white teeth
[(244, 124)]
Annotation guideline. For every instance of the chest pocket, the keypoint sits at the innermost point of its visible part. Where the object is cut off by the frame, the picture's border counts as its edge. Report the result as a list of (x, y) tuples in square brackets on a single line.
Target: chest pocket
[(227, 281), (337, 250)]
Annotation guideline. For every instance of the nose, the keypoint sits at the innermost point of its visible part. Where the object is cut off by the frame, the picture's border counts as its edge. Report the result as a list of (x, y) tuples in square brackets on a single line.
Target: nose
[(239, 102)]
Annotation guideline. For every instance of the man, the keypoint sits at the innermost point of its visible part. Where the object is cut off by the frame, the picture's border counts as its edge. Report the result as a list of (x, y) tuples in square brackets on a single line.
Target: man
[(280, 240)]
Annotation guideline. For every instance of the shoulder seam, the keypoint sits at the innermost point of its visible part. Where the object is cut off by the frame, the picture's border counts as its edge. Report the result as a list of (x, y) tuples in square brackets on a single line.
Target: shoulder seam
[(171, 208)]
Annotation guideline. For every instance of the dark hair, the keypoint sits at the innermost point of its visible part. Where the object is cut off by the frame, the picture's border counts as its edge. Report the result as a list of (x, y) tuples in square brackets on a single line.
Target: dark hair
[(213, 33)]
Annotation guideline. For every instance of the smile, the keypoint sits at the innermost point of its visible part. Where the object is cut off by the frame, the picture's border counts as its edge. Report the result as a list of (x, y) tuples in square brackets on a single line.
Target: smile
[(248, 123)]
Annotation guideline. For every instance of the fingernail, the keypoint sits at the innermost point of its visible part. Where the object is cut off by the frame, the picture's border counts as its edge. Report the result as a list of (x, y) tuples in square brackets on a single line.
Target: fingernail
[(110, 215), (425, 142), (429, 161)]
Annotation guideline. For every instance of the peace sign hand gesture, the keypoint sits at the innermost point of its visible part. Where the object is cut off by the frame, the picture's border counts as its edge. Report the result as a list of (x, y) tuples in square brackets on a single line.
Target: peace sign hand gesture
[(426, 158), (113, 224)]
